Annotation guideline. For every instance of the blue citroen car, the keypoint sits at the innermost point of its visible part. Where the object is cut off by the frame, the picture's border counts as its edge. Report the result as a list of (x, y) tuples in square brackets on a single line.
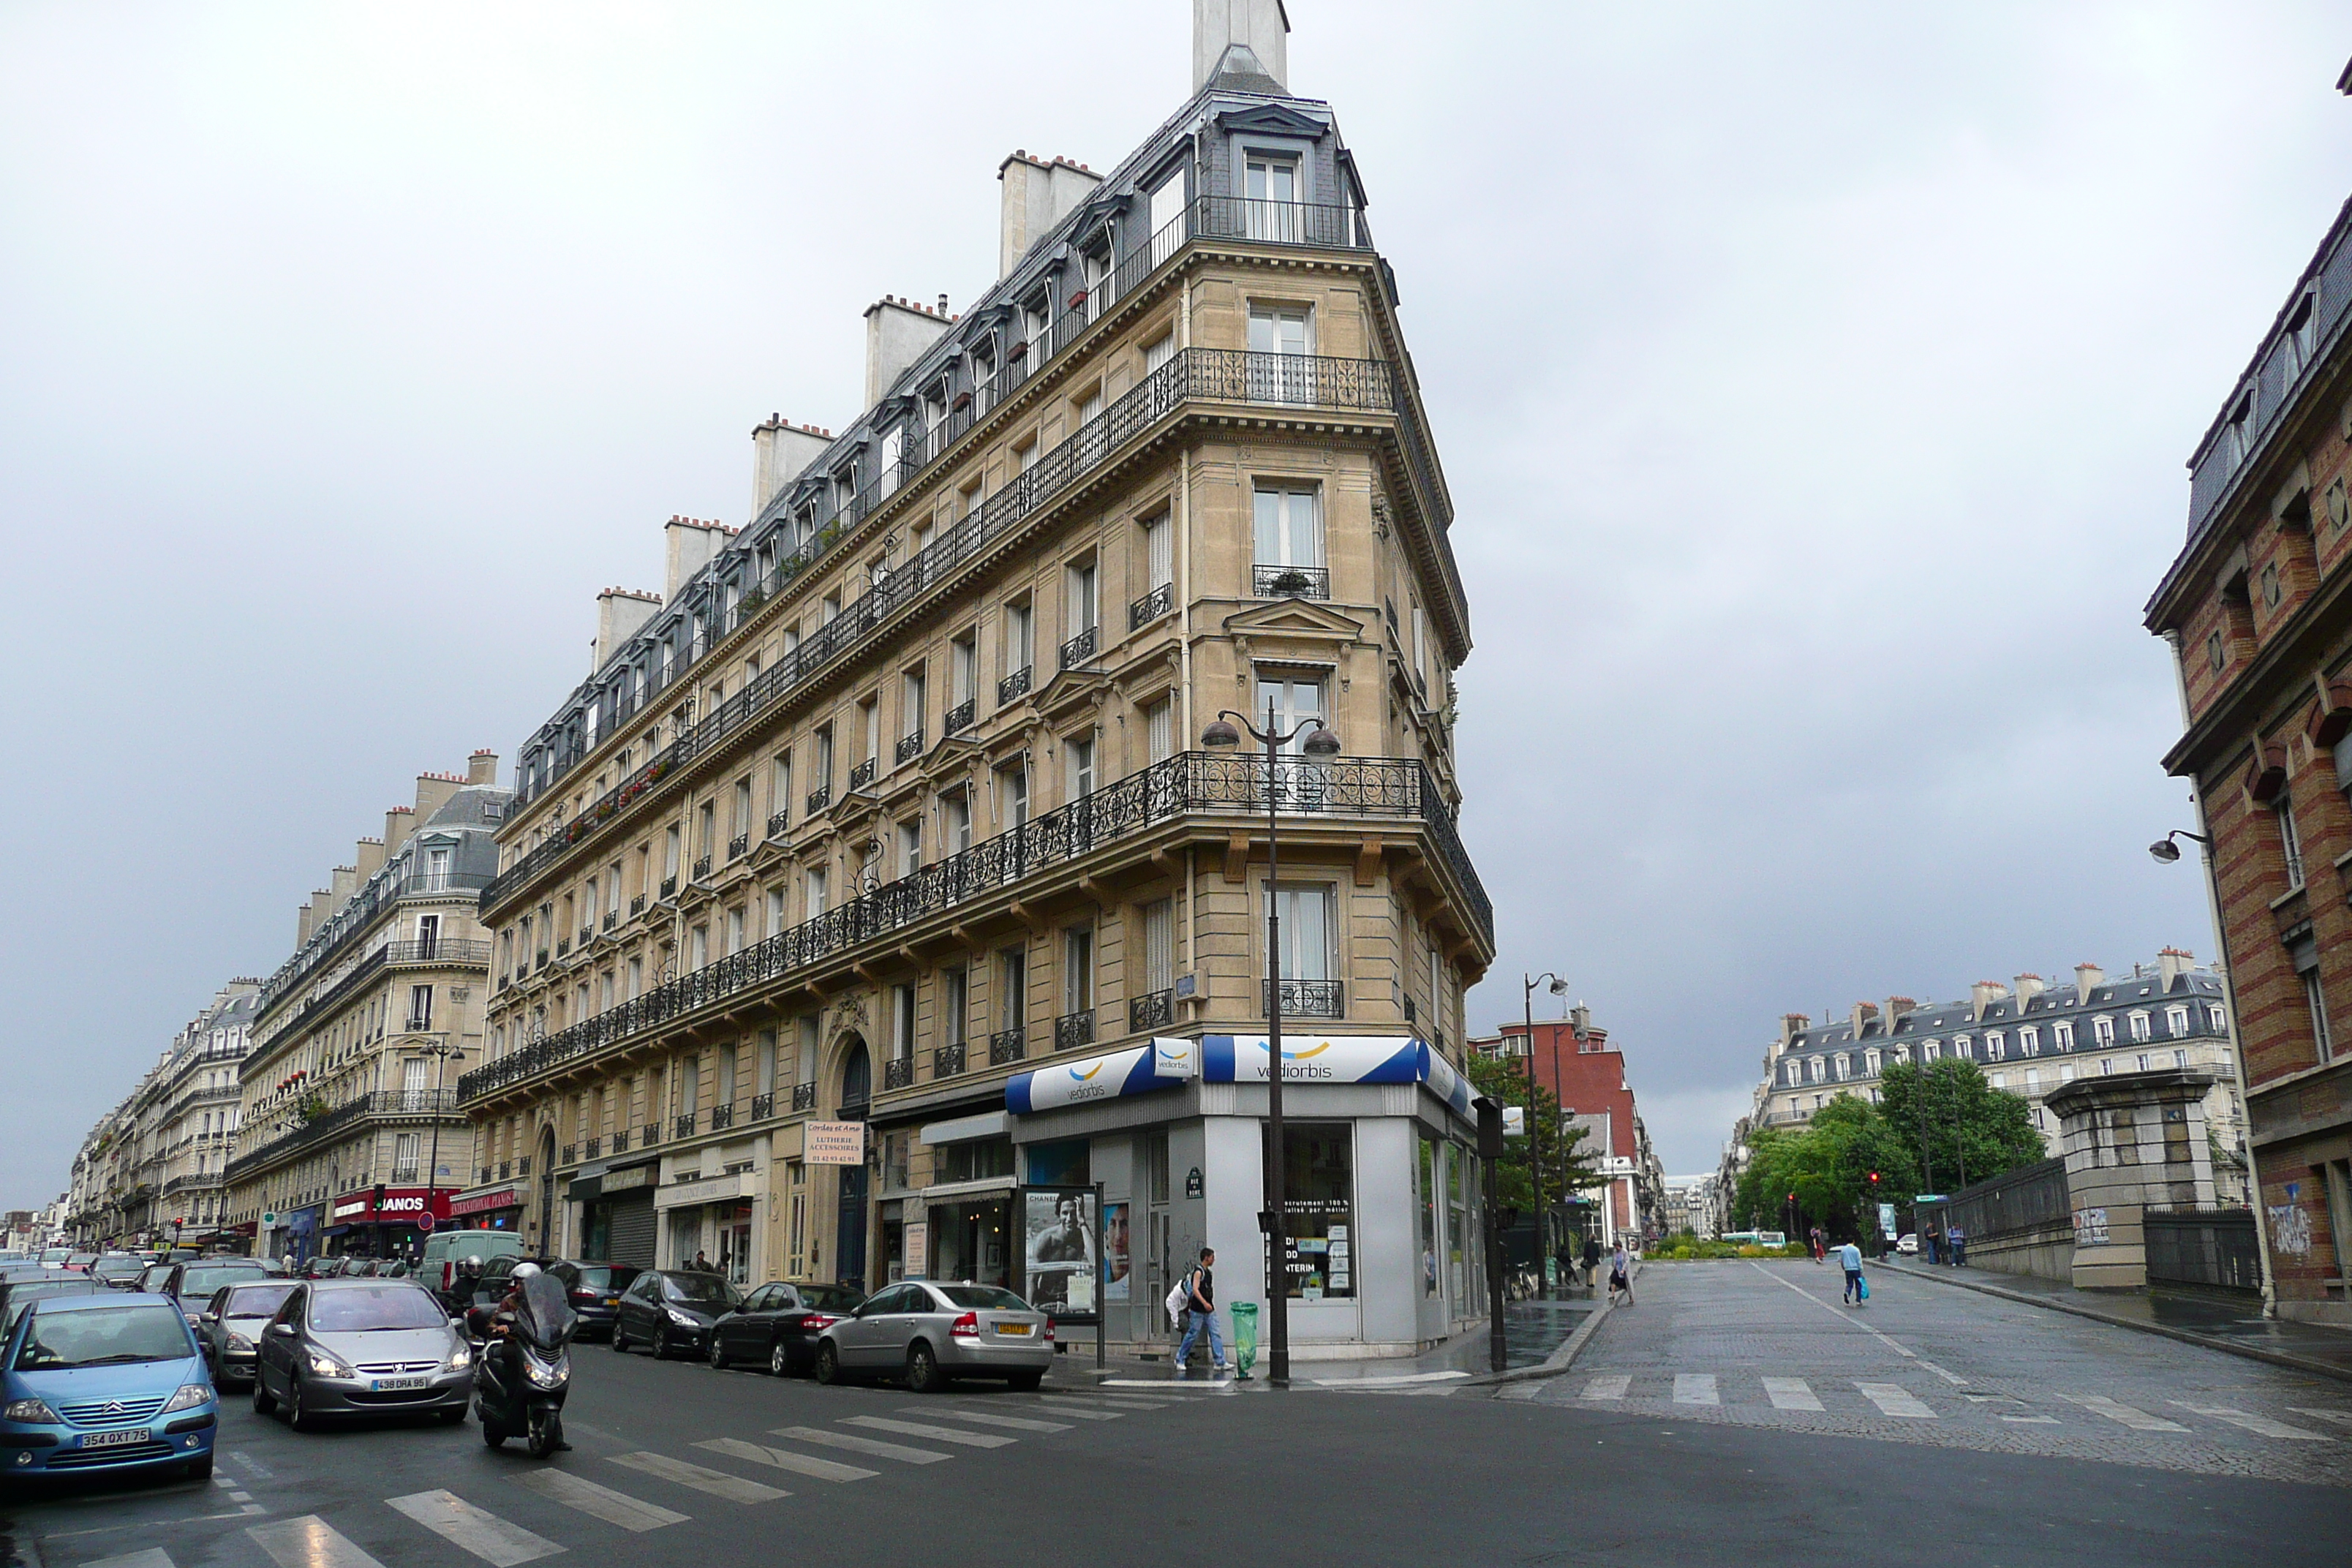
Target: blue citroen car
[(106, 1383)]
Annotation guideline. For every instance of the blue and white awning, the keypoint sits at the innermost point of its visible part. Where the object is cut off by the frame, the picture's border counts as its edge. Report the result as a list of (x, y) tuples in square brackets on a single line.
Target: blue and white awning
[(1307, 1061)]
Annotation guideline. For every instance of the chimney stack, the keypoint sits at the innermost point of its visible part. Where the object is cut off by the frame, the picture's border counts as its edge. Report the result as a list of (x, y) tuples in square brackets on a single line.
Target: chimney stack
[(2087, 978), (433, 792), (1983, 995), (1038, 193), (1791, 1026), (691, 544), (398, 824), (368, 858), (2172, 962), (1896, 1006), (1862, 1013), (897, 332), (1254, 33), (782, 451), (2029, 986), (621, 614), (482, 767)]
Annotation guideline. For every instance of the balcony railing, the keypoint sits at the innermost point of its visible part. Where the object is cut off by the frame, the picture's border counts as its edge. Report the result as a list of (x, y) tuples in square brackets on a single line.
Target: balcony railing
[(587, 933), (910, 747), (1191, 374), (898, 1072), (762, 1107), (596, 1147), (818, 799), (1007, 1046), (611, 919), (353, 923), (723, 1117), (778, 823), (1072, 1030), (803, 1097), (637, 906), (959, 718), (1081, 647), (1188, 783), (568, 1156), (1152, 1010), (648, 1135), (621, 1141), (701, 868), (683, 1126), (1152, 606), (1309, 998), (1013, 687), (1290, 582), (562, 946), (863, 773), (739, 847), (403, 1174), (948, 1060), (669, 886), (327, 1124)]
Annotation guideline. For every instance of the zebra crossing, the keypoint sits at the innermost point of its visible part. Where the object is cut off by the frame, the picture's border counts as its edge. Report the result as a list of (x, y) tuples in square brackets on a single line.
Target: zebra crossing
[(1864, 1396), (905, 1441)]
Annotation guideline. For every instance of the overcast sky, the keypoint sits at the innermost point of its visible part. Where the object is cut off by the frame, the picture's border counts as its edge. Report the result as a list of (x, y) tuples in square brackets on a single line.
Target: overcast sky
[(1814, 382)]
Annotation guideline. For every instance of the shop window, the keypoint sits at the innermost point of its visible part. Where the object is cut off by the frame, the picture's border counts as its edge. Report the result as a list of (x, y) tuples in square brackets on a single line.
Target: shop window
[(1425, 1181), (977, 1160), (1319, 1172)]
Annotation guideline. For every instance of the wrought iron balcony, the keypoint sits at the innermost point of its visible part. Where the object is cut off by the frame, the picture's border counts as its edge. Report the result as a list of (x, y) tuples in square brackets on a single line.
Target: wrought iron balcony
[(1072, 1030), (959, 718), (948, 1060), (669, 887), (649, 1135), (522, 1166), (621, 1141), (637, 906), (898, 1072), (611, 919), (739, 847), (762, 1107), (1310, 998), (1013, 687), (701, 868), (587, 934), (402, 1175), (863, 773), (1152, 1010), (778, 823), (1290, 582), (568, 1156), (1188, 783), (595, 1147), (683, 1126), (803, 1097), (1007, 1046), (505, 1170), (1081, 647), (562, 946), (1408, 1009), (723, 1117), (1152, 606), (542, 960), (818, 799), (910, 747)]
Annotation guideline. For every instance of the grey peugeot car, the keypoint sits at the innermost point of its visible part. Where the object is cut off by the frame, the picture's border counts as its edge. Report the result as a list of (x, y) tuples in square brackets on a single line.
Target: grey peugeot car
[(932, 1331), (230, 1324), (360, 1347)]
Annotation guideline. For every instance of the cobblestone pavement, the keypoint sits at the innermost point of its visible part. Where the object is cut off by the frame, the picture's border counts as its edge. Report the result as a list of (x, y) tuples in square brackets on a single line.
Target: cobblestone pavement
[(1768, 1344)]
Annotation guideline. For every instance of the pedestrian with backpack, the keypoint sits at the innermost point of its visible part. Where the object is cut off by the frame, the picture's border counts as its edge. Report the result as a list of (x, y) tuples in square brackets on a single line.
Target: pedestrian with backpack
[(1850, 1259), (1200, 1303)]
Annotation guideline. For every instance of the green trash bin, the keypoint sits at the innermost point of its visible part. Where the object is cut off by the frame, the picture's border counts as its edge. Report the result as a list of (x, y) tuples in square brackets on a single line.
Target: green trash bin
[(1245, 1336)]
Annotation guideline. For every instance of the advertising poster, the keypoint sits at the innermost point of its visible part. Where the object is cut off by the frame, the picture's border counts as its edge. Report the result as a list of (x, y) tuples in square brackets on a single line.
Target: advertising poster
[(1061, 1246), (835, 1143), (1117, 1260)]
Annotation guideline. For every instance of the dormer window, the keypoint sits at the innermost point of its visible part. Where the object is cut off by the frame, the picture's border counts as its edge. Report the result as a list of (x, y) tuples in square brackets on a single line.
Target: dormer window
[(2237, 436), (2295, 345)]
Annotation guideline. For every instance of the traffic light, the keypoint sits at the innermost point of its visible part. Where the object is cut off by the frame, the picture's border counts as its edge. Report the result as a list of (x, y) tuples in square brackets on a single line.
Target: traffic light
[(1874, 1178)]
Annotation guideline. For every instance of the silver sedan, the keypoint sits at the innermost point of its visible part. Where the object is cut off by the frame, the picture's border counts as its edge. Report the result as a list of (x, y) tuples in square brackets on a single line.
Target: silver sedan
[(362, 1347), (932, 1331)]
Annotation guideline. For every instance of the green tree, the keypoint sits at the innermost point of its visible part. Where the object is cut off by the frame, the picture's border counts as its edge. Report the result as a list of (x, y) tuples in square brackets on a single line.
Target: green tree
[(1954, 1128), (1568, 1167), (1826, 1167)]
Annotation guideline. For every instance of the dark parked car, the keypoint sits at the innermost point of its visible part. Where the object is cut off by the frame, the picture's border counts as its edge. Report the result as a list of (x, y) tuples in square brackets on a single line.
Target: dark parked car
[(16, 1292), (152, 1278), (360, 1347), (668, 1310), (593, 1289), (195, 1283), (322, 1268), (229, 1323), (777, 1326), (119, 1270)]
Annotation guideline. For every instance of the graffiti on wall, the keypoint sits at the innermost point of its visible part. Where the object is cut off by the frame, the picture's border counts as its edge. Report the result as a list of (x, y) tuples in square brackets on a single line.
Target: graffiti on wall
[(2291, 1225)]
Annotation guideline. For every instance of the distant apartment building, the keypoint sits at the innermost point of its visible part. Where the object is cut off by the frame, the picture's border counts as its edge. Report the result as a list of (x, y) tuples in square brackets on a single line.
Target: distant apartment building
[(2257, 610), (1691, 1203), (2029, 1037), (892, 810), (357, 1038), (1573, 1060)]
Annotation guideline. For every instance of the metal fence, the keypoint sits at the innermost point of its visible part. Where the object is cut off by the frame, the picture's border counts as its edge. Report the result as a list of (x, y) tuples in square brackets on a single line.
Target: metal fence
[(2210, 1246), (2021, 1200)]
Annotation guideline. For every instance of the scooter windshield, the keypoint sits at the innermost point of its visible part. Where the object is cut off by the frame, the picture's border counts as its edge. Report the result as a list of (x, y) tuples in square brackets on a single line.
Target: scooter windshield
[(544, 1316)]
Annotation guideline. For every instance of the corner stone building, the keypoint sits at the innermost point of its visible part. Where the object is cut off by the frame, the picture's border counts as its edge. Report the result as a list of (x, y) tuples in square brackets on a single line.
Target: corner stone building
[(2257, 609), (887, 811)]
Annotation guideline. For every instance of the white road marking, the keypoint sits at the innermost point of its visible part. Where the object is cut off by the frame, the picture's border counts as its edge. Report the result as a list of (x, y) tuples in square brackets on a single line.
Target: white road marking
[(1012, 1423), (1894, 1400), (717, 1483), (1518, 1391), (2033, 1420), (486, 1535), (2341, 1417), (1792, 1394), (929, 1429), (1696, 1388), (1608, 1387), (2260, 1426), (309, 1541), (1397, 1381), (1954, 1378), (153, 1557), (1845, 1317), (783, 1459), (595, 1501), (1084, 1409), (248, 1462), (1123, 1401), (880, 1450), (1178, 1386), (2137, 1420)]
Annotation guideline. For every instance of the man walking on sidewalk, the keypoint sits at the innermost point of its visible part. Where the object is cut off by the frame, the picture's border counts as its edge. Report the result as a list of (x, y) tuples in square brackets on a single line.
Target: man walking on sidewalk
[(1200, 1305), (1850, 1259)]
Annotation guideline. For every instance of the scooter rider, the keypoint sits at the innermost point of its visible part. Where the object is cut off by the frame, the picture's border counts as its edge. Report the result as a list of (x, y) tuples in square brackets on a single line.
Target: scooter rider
[(499, 1334), (464, 1280)]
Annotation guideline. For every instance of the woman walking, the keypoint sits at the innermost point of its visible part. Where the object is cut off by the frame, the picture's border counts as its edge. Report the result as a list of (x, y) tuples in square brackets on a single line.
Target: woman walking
[(1620, 1276)]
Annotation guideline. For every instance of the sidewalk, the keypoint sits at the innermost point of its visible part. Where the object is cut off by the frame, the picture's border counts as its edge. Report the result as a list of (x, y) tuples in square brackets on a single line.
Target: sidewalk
[(2208, 1321), (1533, 1332)]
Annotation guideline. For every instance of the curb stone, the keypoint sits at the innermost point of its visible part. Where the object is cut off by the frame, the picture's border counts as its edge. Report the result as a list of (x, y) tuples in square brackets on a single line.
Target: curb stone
[(2186, 1336), (1561, 1360)]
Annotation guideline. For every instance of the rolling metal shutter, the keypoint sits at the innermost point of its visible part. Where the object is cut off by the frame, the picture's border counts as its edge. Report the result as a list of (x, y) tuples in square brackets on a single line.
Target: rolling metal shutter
[(632, 1229)]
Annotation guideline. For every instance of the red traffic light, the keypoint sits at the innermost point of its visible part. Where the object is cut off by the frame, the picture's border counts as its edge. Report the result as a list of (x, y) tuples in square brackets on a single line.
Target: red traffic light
[(1874, 1178)]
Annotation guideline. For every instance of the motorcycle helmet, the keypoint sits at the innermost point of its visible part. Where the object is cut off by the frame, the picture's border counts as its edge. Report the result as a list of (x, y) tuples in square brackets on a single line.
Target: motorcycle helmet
[(473, 1264), (525, 1271)]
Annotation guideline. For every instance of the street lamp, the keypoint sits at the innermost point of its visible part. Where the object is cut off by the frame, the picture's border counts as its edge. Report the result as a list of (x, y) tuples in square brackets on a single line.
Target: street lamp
[(1321, 745), (2166, 851), (1535, 1131), (444, 1053)]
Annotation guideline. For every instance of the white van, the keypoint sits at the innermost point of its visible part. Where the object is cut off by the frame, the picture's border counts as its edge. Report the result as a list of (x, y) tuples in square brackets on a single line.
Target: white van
[(445, 1249)]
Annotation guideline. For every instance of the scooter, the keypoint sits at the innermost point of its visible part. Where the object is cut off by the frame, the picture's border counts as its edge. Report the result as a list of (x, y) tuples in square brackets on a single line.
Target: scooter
[(520, 1378)]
